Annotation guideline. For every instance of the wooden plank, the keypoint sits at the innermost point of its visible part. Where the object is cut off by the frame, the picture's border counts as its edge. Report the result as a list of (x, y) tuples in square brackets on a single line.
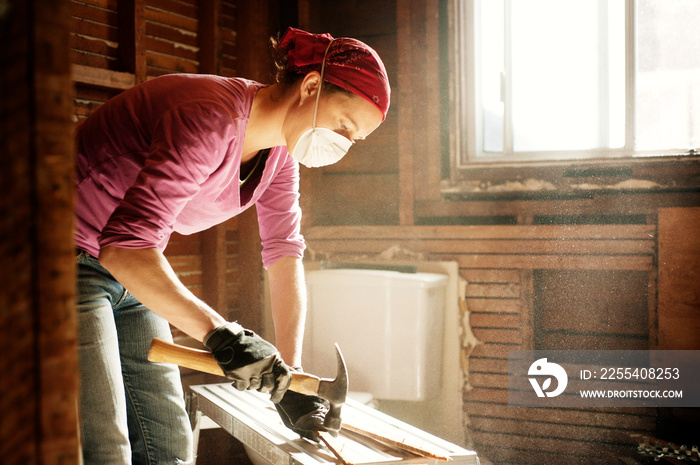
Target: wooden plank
[(494, 350), (476, 305), (164, 47), (102, 77), (497, 399), (490, 276), (559, 232), (646, 203), (501, 291), (486, 395), (494, 320), (500, 453), (98, 31), (537, 428), (591, 450), (94, 46), (488, 380), (556, 262), (93, 94), (93, 61), (573, 416), (679, 275), (175, 35), (511, 246), (573, 341), (167, 18), (178, 7), (498, 335), (488, 365), (95, 15), (106, 4), (170, 63)]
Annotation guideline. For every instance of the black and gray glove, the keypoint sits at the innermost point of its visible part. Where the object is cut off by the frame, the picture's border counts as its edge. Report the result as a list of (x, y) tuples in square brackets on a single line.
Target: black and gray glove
[(304, 414), (249, 360)]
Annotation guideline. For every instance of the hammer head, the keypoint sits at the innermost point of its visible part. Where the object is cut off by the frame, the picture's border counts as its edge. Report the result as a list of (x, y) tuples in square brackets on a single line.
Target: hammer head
[(335, 391)]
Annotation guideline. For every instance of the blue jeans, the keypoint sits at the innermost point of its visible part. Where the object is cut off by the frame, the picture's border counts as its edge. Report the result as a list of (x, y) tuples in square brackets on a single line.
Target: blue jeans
[(133, 411)]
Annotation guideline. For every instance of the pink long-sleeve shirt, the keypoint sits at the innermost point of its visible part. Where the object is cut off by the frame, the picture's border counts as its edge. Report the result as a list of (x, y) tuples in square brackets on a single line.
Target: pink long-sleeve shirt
[(165, 156)]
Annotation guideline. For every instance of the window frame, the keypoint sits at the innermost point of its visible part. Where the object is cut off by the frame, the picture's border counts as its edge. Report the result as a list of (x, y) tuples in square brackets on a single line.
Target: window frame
[(465, 140)]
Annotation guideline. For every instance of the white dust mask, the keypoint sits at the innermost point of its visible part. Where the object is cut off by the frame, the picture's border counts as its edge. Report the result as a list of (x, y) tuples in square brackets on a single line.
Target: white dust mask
[(320, 146)]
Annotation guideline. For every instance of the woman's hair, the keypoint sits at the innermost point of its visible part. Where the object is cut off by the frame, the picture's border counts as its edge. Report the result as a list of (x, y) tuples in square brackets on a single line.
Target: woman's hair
[(286, 77)]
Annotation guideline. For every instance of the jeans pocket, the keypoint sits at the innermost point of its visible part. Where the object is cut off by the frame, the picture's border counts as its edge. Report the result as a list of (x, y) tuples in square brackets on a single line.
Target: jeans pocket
[(79, 255)]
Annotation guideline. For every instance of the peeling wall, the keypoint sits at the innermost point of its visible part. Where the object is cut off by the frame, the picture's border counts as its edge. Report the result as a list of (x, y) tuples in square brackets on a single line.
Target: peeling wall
[(467, 339)]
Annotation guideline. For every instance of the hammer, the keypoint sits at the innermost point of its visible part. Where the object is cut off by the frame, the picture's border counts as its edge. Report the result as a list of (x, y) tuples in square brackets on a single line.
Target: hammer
[(333, 390)]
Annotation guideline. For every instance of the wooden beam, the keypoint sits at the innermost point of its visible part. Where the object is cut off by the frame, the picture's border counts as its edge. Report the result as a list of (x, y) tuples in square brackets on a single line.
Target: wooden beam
[(103, 77), (533, 232), (54, 253), (209, 36), (132, 38), (405, 73), (38, 339), (255, 23), (214, 239)]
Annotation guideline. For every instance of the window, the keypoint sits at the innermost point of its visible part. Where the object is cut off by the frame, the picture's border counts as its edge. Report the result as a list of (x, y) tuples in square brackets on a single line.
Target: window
[(573, 79)]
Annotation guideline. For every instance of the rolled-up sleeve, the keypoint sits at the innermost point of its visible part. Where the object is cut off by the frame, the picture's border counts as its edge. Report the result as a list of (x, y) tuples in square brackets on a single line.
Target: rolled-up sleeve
[(187, 146), (279, 216)]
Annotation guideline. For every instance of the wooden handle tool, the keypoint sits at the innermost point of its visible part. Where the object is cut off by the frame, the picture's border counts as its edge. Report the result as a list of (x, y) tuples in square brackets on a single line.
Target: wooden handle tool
[(202, 360)]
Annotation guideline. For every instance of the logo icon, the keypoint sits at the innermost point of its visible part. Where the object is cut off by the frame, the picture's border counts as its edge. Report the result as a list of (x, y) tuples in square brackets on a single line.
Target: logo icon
[(541, 368)]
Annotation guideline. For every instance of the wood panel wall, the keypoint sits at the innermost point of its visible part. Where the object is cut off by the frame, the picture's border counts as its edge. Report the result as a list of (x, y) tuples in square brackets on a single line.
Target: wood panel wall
[(364, 187), (504, 268), (38, 338), (516, 249), (570, 268)]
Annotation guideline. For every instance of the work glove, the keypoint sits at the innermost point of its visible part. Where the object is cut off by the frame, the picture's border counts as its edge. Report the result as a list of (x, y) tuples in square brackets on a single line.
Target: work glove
[(249, 360), (304, 414)]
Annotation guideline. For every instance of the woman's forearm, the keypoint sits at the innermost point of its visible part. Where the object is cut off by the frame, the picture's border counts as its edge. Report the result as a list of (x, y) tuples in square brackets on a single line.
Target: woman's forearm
[(288, 301), (147, 275)]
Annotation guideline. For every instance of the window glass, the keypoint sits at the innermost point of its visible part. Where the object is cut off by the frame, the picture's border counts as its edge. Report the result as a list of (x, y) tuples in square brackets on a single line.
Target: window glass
[(667, 84), (568, 75), (551, 78)]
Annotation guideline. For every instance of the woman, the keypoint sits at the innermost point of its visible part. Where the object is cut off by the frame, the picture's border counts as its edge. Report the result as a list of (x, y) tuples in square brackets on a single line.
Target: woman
[(183, 153)]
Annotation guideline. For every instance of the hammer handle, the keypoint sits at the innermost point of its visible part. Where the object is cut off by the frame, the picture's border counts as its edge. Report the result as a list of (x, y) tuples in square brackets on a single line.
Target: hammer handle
[(202, 360)]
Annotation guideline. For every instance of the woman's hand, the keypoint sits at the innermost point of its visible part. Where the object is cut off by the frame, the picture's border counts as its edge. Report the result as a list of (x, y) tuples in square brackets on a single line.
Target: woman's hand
[(249, 360)]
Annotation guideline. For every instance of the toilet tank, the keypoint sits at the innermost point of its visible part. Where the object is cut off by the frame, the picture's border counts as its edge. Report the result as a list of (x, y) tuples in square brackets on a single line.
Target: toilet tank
[(387, 324)]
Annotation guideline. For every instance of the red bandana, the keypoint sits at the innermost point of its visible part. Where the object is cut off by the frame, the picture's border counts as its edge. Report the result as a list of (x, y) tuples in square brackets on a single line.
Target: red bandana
[(350, 64)]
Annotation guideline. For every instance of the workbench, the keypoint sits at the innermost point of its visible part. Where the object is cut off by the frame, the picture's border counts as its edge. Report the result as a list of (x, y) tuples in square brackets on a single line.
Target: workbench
[(251, 418)]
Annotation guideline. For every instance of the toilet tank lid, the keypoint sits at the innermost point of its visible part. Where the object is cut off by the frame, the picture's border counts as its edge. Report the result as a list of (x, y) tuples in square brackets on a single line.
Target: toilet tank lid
[(379, 277)]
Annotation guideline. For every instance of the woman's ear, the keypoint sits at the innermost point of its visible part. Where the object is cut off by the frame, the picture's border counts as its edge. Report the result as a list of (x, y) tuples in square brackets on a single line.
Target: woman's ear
[(310, 84)]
